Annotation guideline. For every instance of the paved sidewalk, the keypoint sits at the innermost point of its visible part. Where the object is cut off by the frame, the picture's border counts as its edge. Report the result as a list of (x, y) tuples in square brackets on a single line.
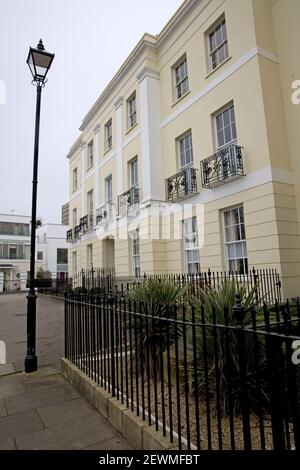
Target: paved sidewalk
[(43, 410)]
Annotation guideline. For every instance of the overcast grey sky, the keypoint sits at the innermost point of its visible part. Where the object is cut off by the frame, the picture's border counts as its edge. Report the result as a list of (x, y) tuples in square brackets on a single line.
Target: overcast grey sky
[(90, 39)]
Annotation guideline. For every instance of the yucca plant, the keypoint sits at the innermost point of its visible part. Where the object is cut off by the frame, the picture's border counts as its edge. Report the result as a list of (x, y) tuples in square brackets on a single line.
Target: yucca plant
[(157, 300), (222, 351)]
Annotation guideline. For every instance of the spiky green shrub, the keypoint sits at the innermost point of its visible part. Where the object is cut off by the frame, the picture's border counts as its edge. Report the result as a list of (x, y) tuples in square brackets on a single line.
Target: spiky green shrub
[(220, 369), (158, 300)]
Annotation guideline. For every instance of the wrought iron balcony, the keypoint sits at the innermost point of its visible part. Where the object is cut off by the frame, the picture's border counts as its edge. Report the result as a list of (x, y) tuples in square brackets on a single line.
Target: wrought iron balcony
[(129, 199), (70, 235), (87, 222), (77, 231), (222, 167), (83, 222), (104, 213), (181, 185)]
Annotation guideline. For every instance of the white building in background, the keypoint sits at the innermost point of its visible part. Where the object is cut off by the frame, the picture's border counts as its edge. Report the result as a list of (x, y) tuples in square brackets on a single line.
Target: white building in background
[(14, 251), (52, 249)]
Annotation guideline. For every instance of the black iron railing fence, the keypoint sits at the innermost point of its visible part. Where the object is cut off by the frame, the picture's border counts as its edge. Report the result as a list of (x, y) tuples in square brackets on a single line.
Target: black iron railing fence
[(209, 379), (103, 281)]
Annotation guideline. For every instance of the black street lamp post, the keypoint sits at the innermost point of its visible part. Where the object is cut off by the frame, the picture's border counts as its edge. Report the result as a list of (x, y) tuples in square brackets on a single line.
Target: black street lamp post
[(39, 62)]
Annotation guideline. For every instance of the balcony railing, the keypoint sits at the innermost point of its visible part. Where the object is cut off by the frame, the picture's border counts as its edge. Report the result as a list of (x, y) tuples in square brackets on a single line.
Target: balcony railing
[(70, 235), (87, 222), (222, 167), (104, 213), (77, 231), (129, 199), (181, 185)]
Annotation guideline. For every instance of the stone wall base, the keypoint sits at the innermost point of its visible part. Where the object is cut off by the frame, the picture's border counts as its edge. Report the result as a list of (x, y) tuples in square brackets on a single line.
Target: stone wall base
[(134, 429)]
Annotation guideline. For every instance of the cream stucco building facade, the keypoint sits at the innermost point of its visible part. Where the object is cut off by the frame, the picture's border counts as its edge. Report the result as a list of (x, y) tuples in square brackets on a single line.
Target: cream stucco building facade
[(197, 134)]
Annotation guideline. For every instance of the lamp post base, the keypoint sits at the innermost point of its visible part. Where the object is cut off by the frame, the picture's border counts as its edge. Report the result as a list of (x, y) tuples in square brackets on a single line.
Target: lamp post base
[(30, 364), (31, 358)]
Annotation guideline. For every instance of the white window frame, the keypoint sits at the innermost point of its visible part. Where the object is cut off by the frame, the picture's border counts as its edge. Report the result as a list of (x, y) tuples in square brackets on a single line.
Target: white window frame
[(75, 178), (108, 134), (89, 255), (179, 140), (90, 201), (221, 112), (181, 79), (191, 245), (214, 63), (74, 262), (133, 173), (241, 241), (90, 154), (108, 189), (9, 247), (131, 111), (136, 254), (74, 216)]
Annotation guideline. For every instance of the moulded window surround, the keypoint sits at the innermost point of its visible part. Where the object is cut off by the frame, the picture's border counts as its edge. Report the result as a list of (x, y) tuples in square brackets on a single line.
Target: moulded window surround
[(108, 189), (90, 256), (62, 256), (74, 262), (191, 246), (108, 135), (217, 44), (235, 244), (180, 78), (225, 126), (185, 150), (131, 111), (133, 173), (74, 217), (135, 254), (90, 154), (75, 179)]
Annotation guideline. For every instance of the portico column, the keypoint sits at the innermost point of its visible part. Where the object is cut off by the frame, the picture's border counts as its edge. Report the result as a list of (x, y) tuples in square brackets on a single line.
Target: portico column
[(119, 144), (152, 167), (83, 150)]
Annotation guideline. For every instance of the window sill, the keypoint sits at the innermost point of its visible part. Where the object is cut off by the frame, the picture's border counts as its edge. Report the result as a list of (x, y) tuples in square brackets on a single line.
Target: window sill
[(107, 151), (180, 99), (130, 129), (219, 66)]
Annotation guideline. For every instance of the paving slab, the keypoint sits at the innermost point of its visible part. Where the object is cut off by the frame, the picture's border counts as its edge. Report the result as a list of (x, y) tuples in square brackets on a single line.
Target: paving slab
[(39, 398), (43, 410), (61, 412), (9, 444), (11, 389), (15, 425), (114, 443), (73, 434), (6, 369), (3, 411)]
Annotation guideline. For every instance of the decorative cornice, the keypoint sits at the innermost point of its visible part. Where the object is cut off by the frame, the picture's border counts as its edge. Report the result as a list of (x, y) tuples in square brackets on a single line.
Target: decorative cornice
[(83, 145), (147, 72), (147, 41), (178, 16), (118, 102), (74, 147)]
